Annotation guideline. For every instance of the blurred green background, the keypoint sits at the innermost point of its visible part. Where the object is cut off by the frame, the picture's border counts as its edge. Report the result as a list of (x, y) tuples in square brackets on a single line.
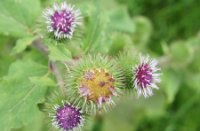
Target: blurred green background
[(166, 29)]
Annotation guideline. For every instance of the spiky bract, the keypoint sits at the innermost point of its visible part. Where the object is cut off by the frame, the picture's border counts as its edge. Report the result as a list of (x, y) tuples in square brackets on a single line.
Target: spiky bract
[(93, 82), (64, 115)]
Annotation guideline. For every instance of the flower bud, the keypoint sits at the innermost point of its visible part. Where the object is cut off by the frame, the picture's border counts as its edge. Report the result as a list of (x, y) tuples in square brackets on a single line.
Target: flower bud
[(146, 76), (94, 82), (62, 20)]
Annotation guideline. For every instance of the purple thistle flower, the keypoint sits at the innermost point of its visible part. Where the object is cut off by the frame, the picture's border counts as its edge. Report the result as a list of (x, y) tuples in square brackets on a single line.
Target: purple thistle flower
[(62, 20), (146, 76), (67, 117)]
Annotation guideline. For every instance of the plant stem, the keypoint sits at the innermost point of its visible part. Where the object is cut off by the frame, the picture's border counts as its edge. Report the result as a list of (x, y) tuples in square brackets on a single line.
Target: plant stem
[(98, 123), (52, 65), (58, 76)]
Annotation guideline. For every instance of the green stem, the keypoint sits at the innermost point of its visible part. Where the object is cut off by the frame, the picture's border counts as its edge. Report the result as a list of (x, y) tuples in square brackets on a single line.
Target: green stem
[(98, 123), (52, 65)]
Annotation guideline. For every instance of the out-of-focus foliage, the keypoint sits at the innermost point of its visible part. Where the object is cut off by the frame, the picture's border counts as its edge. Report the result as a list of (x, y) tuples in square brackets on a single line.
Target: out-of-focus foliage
[(171, 19), (167, 30)]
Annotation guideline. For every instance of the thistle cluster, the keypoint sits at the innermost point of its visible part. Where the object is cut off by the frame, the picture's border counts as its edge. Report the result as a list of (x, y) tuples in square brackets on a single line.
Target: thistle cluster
[(94, 82)]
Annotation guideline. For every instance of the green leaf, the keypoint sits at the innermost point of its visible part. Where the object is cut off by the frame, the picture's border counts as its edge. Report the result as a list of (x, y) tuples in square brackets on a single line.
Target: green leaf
[(95, 34), (22, 44), (192, 80), (143, 30), (5, 58), (58, 52), (42, 81), (18, 16), (39, 123), (180, 53), (119, 42), (171, 84), (21, 91), (120, 20)]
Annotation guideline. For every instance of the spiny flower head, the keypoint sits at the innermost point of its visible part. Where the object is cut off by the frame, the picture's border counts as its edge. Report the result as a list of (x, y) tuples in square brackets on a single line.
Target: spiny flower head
[(93, 83), (67, 117), (146, 76), (62, 20), (97, 85)]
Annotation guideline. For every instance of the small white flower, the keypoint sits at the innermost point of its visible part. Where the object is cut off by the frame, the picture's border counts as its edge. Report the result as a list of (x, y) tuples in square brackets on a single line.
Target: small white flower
[(62, 20), (146, 76)]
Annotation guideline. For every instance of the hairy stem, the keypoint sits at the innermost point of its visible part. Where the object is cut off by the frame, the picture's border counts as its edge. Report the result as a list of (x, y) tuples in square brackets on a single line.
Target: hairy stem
[(38, 44), (58, 76)]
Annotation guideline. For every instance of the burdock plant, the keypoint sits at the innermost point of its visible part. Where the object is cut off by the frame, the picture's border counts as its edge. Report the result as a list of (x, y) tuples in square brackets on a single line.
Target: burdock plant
[(61, 20), (66, 116), (93, 83), (146, 76), (63, 114)]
